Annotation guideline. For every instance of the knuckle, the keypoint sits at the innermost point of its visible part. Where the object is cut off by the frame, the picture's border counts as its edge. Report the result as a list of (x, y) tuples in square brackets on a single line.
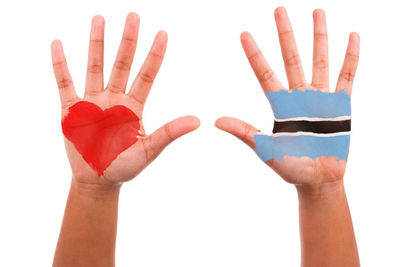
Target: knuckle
[(97, 41), (155, 54), (255, 56), (129, 40), (247, 129), (348, 75), (321, 62), (168, 132), (137, 99), (59, 63), (297, 85), (292, 60), (122, 65), (64, 83), (319, 84), (352, 56), (320, 35), (285, 34), (266, 76), (114, 88), (146, 77), (147, 147), (95, 68)]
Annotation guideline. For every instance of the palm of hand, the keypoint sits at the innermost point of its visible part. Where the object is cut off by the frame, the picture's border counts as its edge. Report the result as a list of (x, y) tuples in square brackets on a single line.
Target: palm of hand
[(307, 171), (129, 163)]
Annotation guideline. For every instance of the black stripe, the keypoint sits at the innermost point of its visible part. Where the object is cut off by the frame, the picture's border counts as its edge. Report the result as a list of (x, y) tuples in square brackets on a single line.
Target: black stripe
[(323, 127)]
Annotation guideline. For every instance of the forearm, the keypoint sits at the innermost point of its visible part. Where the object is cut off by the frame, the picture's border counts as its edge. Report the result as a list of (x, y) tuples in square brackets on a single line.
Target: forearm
[(88, 231), (326, 230)]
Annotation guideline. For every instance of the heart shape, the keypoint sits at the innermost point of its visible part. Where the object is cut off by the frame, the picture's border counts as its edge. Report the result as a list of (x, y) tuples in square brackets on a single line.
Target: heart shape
[(100, 135)]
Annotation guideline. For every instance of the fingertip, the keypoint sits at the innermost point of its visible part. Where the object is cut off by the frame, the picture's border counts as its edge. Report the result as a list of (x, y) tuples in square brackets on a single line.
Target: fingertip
[(163, 35), (220, 122), (56, 50), (244, 35), (238, 128), (184, 125), (354, 43), (133, 17), (162, 32), (97, 31), (131, 29), (282, 20), (194, 122), (55, 43), (354, 36), (98, 19), (318, 13), (217, 123), (280, 11), (171, 131), (160, 43)]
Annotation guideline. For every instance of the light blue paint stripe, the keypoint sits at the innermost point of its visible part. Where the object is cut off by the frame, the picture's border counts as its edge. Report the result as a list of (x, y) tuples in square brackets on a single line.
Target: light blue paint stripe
[(309, 103), (268, 147)]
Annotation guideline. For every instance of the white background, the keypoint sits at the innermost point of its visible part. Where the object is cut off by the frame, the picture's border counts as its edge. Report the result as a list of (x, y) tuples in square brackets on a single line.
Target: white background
[(207, 200)]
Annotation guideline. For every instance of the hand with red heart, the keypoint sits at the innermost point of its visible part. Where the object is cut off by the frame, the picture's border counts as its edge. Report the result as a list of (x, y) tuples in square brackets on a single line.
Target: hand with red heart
[(104, 134), (106, 142)]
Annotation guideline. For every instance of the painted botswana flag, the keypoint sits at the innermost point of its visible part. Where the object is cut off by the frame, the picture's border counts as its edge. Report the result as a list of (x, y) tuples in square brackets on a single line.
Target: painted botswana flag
[(307, 124)]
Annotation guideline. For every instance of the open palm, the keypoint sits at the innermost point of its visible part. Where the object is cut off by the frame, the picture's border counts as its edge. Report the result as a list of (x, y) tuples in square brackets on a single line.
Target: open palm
[(300, 170), (145, 148)]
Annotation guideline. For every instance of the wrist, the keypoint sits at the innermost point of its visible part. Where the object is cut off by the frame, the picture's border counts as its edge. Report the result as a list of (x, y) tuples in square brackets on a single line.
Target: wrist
[(323, 191), (95, 191)]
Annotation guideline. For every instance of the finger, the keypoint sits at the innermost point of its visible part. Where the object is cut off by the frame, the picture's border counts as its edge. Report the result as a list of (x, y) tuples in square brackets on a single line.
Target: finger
[(94, 74), (122, 65), (320, 76), (238, 128), (144, 80), (349, 68), (63, 77), (262, 70), (291, 58), (169, 132)]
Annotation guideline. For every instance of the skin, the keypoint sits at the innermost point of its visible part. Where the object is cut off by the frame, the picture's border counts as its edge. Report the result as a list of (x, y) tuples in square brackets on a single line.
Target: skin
[(326, 231), (88, 232)]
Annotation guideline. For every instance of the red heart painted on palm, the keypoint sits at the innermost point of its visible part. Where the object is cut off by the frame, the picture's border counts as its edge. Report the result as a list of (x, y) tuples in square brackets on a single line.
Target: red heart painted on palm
[(100, 135)]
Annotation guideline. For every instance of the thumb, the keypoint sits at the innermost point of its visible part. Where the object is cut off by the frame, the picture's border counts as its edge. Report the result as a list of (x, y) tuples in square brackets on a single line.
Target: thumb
[(238, 128), (169, 132)]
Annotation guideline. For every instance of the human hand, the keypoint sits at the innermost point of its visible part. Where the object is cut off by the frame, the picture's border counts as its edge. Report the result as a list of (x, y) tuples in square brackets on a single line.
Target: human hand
[(104, 134), (311, 136)]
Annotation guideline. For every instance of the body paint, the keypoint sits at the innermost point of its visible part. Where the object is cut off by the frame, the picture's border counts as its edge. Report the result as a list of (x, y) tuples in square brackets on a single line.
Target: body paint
[(100, 135), (276, 147), (321, 127), (307, 124), (309, 104)]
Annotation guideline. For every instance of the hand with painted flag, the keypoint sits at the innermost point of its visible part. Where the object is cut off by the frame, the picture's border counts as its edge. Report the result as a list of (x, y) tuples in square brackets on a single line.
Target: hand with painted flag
[(310, 140), (106, 142)]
